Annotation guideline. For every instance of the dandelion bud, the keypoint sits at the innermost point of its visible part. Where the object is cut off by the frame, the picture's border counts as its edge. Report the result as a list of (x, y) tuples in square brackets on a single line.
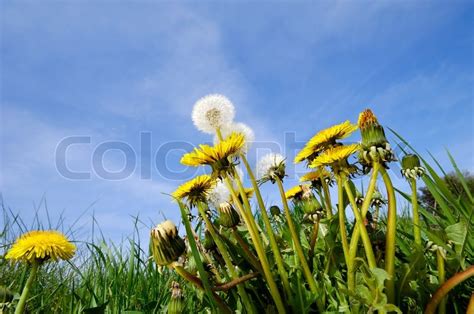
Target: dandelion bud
[(167, 245), (208, 241), (375, 147), (228, 216), (359, 198), (411, 167), (377, 199), (176, 304), (275, 210)]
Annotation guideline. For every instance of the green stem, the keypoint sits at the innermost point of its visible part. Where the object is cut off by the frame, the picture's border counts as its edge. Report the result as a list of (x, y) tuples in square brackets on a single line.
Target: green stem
[(26, 290), (416, 216), (250, 257), (441, 279), (364, 209), (312, 243), (197, 259), (198, 283), (259, 248), (446, 287), (268, 227), (363, 230), (390, 236), (327, 198), (343, 232), (296, 241), (225, 255)]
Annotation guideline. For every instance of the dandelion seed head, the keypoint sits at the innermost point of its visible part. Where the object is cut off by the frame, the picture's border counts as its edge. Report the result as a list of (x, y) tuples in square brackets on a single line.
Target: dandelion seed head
[(219, 194), (268, 164), (212, 112)]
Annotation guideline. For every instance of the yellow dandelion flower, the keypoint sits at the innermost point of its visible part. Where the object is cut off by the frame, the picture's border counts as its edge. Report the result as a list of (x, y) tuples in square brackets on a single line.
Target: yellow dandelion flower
[(294, 192), (40, 246), (335, 155), (216, 156), (317, 175), (325, 139), (196, 190)]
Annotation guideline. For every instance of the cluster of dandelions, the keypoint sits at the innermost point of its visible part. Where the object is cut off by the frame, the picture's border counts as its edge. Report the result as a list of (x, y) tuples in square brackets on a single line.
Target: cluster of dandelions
[(226, 248)]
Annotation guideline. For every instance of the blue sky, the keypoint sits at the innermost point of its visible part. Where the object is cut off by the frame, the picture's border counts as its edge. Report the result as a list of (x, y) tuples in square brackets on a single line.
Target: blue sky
[(111, 71)]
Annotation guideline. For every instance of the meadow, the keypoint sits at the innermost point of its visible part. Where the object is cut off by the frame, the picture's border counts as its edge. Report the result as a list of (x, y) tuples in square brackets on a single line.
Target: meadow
[(238, 254)]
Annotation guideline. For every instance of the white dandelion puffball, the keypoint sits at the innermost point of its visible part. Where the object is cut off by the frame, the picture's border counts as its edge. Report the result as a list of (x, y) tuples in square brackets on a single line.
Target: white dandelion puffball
[(238, 127), (268, 163), (219, 194), (212, 112)]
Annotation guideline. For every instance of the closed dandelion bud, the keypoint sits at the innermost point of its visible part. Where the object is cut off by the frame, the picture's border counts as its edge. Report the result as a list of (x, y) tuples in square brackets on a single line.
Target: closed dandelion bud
[(208, 241), (176, 304), (228, 216), (275, 210), (167, 245), (375, 147), (411, 167)]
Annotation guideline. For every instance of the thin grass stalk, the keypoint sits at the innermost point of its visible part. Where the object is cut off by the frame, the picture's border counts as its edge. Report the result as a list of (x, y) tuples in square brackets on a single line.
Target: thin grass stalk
[(327, 198), (227, 259), (299, 250), (197, 259), (446, 287), (259, 248), (363, 230), (26, 290), (390, 235), (441, 279), (416, 216), (268, 226)]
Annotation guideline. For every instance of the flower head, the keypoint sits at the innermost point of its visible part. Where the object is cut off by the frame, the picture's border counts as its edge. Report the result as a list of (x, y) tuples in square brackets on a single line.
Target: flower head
[(176, 303), (295, 192), (411, 167), (325, 139), (375, 147), (217, 156), (270, 167), (245, 130), (219, 194), (316, 177), (377, 199), (167, 246), (196, 190), (212, 112), (40, 246), (336, 158), (228, 216)]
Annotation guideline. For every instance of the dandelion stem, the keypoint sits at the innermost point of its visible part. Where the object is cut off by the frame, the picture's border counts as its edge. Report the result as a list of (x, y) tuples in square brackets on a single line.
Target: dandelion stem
[(296, 241), (327, 197), (446, 287), (26, 290), (226, 257), (416, 216), (259, 248), (363, 230), (312, 244), (390, 236), (273, 244), (197, 259), (249, 255), (441, 279), (343, 232)]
